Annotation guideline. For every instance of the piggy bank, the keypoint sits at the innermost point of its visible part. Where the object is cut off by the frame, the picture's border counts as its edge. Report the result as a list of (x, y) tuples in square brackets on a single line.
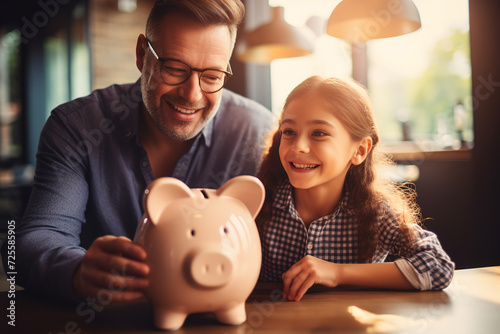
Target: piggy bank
[(203, 248)]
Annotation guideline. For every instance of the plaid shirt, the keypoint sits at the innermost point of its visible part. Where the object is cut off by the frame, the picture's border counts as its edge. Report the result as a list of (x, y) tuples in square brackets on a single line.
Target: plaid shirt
[(334, 238)]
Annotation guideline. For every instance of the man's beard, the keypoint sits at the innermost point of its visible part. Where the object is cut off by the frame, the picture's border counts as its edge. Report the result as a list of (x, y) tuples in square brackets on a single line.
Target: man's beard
[(169, 128)]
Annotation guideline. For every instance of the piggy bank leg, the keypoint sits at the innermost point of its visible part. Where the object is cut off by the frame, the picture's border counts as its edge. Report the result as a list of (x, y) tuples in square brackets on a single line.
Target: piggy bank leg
[(168, 319), (233, 316)]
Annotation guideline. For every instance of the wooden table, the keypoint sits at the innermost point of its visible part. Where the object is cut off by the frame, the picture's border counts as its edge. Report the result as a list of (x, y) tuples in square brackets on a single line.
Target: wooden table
[(470, 305)]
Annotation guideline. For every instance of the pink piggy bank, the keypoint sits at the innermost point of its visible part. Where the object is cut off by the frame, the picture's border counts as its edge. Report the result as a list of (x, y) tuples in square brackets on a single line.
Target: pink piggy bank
[(203, 248)]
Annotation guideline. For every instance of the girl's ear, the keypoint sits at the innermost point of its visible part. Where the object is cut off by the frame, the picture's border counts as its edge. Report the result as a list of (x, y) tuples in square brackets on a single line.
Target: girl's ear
[(364, 147)]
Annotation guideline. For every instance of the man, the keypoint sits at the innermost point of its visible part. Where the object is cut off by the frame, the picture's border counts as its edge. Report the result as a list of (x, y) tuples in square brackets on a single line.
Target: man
[(97, 154)]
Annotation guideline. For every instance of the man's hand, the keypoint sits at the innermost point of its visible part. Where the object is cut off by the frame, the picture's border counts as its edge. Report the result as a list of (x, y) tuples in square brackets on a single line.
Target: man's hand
[(115, 264), (306, 272)]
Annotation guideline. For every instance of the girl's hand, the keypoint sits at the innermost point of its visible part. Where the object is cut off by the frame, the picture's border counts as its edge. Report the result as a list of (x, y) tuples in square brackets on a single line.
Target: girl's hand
[(308, 271)]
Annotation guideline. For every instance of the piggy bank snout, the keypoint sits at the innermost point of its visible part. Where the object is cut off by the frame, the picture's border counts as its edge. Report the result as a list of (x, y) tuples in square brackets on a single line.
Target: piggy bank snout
[(212, 268)]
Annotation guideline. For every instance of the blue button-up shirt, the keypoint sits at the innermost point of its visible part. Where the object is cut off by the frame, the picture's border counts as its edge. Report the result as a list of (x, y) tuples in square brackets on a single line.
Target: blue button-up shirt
[(92, 170)]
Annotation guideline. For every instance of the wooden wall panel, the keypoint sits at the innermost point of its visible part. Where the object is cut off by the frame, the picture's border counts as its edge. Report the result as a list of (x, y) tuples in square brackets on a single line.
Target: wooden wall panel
[(114, 36)]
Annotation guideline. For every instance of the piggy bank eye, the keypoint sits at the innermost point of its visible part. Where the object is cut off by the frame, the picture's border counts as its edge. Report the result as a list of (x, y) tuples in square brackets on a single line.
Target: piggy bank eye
[(224, 230), (192, 233)]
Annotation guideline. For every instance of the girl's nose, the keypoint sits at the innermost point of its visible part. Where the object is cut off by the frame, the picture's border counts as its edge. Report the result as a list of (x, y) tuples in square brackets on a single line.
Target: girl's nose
[(301, 145)]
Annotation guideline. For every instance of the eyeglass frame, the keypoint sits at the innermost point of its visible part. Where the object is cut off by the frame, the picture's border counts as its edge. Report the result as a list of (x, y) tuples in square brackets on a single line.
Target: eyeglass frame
[(162, 60)]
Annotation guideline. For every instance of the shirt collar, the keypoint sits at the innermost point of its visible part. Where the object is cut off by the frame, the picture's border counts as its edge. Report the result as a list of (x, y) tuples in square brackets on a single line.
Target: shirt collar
[(207, 131), (284, 199), (284, 195), (127, 110)]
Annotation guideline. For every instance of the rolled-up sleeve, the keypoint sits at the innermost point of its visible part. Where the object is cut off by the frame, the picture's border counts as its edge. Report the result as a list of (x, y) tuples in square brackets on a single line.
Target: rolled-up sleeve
[(428, 267), (424, 263)]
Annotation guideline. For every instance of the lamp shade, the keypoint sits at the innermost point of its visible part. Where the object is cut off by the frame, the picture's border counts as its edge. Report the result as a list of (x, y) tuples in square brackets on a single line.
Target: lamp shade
[(273, 40), (362, 20), (127, 6)]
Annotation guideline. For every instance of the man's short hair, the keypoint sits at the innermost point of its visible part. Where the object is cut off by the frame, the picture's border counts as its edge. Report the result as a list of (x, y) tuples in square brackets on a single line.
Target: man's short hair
[(208, 12)]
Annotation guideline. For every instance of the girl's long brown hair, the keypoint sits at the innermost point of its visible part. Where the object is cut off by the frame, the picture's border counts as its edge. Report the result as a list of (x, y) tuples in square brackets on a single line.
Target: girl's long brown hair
[(350, 103)]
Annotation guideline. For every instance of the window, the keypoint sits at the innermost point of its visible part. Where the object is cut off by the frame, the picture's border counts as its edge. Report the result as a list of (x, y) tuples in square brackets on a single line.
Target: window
[(57, 67), (420, 83), (67, 61), (10, 96)]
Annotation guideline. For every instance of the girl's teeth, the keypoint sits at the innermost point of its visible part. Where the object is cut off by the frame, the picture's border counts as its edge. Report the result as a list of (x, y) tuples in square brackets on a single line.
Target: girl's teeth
[(300, 166)]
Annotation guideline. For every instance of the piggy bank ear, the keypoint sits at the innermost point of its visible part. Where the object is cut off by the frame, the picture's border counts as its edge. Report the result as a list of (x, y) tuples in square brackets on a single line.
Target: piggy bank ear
[(247, 189), (160, 193)]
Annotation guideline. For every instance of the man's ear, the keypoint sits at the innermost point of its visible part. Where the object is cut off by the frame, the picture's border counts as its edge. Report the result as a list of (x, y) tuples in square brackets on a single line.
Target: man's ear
[(364, 147), (140, 51)]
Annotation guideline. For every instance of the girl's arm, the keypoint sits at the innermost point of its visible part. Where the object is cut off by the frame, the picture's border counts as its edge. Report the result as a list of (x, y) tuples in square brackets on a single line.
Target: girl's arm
[(311, 270), (425, 264)]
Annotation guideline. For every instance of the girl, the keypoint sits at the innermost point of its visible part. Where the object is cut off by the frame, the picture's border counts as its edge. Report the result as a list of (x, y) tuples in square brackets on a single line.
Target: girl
[(328, 218)]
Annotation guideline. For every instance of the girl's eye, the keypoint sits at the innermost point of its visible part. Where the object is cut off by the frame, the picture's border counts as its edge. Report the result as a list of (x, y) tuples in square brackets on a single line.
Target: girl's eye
[(288, 132), (319, 133)]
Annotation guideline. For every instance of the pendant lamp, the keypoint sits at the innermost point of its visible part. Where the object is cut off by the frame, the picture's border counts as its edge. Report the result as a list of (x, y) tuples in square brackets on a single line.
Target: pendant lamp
[(273, 40), (127, 6), (362, 20), (358, 21)]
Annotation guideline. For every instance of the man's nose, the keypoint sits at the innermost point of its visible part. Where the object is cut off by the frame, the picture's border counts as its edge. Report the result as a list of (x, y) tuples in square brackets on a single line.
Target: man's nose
[(191, 90)]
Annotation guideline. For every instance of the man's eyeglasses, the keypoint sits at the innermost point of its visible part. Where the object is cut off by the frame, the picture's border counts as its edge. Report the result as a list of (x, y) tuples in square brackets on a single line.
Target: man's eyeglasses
[(175, 72)]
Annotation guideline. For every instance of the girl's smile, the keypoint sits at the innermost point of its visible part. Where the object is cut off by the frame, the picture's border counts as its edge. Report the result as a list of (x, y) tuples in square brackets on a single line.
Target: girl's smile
[(302, 166)]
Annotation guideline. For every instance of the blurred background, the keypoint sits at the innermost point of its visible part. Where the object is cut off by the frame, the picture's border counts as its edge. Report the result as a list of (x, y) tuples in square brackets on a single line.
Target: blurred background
[(435, 91)]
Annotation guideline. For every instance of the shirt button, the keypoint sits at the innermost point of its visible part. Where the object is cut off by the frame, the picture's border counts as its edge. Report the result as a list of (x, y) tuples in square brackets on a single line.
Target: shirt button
[(144, 164), (310, 246)]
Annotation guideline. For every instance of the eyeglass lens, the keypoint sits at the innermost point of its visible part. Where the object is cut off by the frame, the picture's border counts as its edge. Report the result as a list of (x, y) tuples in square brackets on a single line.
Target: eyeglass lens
[(174, 73)]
